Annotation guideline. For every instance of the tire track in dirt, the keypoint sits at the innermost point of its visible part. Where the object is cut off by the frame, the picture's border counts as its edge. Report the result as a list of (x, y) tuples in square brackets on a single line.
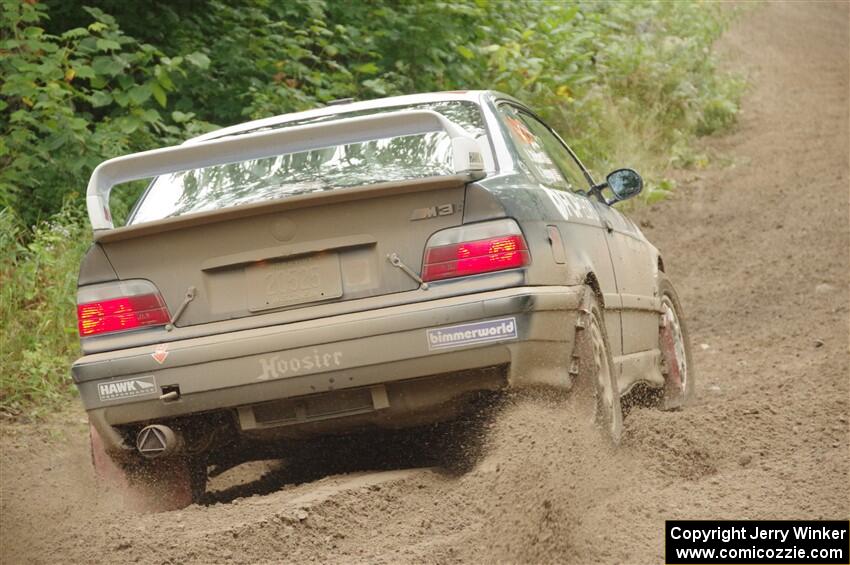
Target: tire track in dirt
[(759, 252)]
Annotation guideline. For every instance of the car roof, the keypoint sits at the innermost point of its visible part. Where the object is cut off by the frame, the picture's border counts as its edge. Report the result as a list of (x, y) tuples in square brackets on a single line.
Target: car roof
[(406, 100)]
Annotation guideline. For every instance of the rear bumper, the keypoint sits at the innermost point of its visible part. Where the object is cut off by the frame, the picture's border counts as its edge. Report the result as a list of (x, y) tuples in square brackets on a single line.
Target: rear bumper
[(528, 329)]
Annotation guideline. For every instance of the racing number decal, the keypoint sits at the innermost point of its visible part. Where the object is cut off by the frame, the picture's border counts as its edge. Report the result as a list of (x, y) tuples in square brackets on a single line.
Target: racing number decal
[(571, 206)]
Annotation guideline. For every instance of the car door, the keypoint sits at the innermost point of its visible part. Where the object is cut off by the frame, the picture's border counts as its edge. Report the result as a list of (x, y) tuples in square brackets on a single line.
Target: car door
[(635, 263), (634, 259), (577, 220)]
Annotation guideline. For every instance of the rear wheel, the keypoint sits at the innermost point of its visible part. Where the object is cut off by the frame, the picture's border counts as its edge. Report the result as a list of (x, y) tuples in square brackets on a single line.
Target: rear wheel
[(675, 349), (155, 485), (595, 385)]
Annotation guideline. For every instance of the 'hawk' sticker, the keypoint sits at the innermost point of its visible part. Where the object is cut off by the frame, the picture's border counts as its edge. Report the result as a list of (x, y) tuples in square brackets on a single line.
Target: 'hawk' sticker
[(128, 388)]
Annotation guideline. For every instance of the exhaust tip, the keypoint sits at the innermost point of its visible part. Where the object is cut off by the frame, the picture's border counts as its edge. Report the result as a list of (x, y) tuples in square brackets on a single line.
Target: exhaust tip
[(156, 441)]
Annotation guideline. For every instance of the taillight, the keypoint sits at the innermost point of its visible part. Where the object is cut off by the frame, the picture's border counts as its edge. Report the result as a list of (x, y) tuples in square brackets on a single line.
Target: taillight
[(475, 249), (119, 306)]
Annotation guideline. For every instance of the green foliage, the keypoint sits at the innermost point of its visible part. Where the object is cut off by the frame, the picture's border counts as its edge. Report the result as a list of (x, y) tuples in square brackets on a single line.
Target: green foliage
[(71, 100), (273, 57), (37, 307), (625, 83)]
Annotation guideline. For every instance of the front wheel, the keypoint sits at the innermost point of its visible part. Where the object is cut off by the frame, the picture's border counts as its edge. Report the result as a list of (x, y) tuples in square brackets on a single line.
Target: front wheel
[(675, 349)]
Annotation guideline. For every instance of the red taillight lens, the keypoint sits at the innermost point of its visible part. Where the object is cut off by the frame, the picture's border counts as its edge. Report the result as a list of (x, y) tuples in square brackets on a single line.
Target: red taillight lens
[(493, 253), (107, 313)]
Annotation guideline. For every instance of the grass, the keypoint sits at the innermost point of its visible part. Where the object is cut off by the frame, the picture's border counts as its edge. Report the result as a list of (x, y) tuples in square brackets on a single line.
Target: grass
[(38, 334)]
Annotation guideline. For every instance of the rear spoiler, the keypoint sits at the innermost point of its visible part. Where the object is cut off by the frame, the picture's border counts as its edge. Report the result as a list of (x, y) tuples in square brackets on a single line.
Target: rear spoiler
[(466, 153)]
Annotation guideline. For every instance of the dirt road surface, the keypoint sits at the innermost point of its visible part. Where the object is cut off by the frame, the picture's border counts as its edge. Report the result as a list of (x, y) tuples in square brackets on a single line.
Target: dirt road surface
[(758, 246)]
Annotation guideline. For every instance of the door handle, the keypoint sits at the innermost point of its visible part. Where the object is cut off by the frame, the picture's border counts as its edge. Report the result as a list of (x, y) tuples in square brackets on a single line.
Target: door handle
[(608, 225)]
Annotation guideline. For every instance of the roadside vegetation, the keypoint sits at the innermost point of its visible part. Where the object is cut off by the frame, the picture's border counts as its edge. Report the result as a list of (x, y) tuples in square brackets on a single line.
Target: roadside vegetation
[(626, 83)]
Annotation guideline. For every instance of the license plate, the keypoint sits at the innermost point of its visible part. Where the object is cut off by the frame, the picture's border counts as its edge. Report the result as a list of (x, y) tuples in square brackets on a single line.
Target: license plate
[(297, 281)]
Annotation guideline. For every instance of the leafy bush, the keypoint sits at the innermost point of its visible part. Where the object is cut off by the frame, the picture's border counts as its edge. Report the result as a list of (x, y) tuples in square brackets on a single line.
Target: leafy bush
[(37, 307), (72, 100), (626, 83)]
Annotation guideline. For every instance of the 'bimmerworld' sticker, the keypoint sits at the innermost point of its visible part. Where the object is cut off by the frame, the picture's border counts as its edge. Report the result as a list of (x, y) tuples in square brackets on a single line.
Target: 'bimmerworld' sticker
[(468, 334), (115, 390)]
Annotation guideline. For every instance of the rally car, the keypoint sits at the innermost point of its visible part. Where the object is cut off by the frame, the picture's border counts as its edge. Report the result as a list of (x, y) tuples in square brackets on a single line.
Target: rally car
[(363, 265)]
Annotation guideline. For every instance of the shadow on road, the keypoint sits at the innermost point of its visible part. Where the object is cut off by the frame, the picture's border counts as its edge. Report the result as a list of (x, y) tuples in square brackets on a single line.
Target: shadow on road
[(452, 448)]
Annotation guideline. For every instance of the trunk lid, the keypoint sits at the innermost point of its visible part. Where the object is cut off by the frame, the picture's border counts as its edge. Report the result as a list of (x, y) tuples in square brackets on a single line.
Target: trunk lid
[(291, 253)]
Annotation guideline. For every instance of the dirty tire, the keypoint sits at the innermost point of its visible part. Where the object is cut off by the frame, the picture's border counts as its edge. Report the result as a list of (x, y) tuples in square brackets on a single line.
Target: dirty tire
[(106, 469), (596, 390), (676, 358), (148, 486)]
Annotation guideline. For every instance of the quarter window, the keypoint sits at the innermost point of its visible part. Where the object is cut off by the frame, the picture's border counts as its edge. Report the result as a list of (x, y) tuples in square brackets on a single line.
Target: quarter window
[(542, 151)]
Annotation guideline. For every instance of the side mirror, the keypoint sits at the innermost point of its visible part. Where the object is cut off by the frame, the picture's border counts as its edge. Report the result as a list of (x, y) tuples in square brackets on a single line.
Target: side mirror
[(624, 183)]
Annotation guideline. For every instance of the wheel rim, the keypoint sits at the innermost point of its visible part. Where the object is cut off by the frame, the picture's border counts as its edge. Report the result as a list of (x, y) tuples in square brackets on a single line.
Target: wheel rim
[(675, 363), (603, 372)]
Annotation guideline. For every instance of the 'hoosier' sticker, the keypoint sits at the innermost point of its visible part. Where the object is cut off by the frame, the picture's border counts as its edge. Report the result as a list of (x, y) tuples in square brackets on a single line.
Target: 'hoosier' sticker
[(472, 333)]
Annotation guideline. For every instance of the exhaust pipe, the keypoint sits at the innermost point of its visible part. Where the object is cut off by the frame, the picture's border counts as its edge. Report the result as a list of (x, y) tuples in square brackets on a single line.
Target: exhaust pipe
[(157, 441)]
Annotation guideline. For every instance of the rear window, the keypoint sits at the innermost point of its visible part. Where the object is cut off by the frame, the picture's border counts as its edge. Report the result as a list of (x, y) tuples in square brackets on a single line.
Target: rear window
[(331, 168)]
